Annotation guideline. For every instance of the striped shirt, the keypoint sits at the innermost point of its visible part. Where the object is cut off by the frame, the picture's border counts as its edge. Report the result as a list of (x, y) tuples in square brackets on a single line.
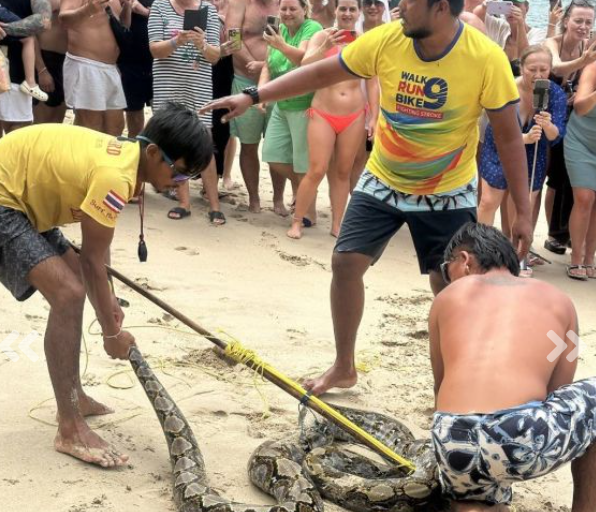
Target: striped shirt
[(184, 76)]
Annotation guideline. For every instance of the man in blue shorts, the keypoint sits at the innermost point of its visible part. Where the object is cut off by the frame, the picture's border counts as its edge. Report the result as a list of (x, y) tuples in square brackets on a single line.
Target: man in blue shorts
[(506, 408), (436, 75)]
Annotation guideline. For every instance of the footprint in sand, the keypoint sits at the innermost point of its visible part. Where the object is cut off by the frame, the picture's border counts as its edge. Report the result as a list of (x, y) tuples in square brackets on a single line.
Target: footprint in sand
[(300, 261), (190, 252), (143, 282)]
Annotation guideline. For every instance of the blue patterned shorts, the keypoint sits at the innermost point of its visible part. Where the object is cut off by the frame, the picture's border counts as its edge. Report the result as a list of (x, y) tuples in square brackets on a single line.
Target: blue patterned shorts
[(481, 455)]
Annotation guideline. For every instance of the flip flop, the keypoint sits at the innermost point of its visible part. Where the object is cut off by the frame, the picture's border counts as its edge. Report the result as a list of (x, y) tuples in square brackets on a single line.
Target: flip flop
[(213, 216), (178, 213), (579, 277)]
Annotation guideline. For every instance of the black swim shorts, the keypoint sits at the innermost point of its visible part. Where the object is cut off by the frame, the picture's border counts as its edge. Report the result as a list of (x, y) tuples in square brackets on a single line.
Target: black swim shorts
[(376, 212), (22, 248), (137, 82)]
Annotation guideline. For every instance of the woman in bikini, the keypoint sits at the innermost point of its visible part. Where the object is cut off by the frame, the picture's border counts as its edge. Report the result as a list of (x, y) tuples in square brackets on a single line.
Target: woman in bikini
[(572, 52), (335, 128)]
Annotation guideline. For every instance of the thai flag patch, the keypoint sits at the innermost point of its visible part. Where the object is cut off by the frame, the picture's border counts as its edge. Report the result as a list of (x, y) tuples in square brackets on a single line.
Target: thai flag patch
[(114, 202)]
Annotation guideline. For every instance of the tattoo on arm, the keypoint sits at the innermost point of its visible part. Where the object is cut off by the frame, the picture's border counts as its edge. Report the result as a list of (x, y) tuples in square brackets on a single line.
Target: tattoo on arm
[(31, 25)]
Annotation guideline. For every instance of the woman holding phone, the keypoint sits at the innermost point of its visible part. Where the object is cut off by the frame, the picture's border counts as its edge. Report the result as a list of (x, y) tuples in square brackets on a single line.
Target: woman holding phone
[(580, 155), (182, 72), (572, 52), (544, 128), (337, 116), (285, 147)]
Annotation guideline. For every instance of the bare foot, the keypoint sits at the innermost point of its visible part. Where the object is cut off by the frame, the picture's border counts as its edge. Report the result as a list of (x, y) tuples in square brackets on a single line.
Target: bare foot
[(280, 209), (333, 378), (90, 407), (84, 444), (254, 207), (229, 184), (295, 231)]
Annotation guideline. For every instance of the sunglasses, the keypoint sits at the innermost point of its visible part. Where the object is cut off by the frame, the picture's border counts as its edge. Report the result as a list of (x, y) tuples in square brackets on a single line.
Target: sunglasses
[(445, 271), (178, 175)]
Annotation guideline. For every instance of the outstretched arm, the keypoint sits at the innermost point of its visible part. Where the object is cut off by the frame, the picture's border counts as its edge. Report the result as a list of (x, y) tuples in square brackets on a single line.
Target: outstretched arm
[(295, 83), (40, 20)]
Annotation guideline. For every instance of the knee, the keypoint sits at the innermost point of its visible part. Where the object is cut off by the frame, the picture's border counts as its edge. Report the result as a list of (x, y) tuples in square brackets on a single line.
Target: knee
[(584, 201), (347, 266), (70, 297)]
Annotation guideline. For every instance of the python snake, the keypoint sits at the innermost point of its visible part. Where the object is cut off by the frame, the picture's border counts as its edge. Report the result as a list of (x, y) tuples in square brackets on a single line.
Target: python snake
[(298, 473)]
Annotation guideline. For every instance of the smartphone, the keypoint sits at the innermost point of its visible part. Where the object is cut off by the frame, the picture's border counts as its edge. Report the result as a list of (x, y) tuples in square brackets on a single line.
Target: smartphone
[(348, 36), (498, 8), (235, 35), (273, 22), (195, 18)]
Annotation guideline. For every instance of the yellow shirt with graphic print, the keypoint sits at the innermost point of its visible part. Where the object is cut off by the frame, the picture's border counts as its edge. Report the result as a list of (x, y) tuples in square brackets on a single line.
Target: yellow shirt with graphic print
[(54, 172), (427, 131)]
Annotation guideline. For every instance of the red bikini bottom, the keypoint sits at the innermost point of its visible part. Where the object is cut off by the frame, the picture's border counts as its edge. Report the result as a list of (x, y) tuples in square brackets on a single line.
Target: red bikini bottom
[(337, 123)]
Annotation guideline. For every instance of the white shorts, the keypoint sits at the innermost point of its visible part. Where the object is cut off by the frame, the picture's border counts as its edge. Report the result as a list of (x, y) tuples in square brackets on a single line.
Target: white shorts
[(92, 85), (16, 106)]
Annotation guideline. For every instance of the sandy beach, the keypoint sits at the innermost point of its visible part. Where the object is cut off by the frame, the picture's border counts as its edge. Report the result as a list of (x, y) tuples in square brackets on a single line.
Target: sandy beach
[(249, 281)]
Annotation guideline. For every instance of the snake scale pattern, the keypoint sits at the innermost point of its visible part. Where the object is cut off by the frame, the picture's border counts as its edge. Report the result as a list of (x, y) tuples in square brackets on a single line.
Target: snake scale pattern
[(300, 471)]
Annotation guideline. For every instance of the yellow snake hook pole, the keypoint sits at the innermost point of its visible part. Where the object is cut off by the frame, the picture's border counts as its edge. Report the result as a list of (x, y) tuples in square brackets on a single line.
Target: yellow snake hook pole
[(250, 359)]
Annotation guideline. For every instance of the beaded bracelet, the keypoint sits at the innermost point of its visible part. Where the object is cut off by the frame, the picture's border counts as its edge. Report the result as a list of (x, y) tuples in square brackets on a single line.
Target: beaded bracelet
[(114, 336)]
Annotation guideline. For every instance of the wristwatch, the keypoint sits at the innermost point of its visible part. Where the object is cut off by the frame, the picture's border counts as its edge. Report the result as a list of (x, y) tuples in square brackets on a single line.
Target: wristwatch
[(253, 92)]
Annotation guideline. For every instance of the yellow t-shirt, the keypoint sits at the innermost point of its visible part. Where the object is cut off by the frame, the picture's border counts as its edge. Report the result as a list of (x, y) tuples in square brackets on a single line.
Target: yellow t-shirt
[(53, 172), (427, 131)]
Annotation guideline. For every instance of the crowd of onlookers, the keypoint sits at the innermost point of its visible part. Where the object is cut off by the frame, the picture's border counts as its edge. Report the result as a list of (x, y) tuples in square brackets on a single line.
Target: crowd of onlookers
[(110, 59)]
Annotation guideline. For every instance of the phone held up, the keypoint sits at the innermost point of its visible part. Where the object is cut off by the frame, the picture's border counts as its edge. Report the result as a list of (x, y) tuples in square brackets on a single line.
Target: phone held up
[(498, 8), (348, 36), (273, 24), (235, 35), (195, 18)]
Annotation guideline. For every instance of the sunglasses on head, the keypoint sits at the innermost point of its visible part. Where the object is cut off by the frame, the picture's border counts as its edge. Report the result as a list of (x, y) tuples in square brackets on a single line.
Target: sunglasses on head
[(178, 175)]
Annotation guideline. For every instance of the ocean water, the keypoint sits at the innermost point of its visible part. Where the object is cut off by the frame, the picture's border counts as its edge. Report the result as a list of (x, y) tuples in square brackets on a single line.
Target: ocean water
[(538, 13)]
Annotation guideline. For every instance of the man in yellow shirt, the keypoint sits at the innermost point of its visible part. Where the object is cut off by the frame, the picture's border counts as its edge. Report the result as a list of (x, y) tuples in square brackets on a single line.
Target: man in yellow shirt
[(51, 175), (436, 75)]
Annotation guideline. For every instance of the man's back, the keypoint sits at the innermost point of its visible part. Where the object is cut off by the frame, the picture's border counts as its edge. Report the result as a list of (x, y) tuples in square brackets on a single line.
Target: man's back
[(491, 333)]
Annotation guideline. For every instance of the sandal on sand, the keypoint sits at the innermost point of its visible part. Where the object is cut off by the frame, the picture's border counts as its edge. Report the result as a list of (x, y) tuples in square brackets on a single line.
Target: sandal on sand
[(590, 271), (178, 213), (577, 272), (35, 92), (217, 218)]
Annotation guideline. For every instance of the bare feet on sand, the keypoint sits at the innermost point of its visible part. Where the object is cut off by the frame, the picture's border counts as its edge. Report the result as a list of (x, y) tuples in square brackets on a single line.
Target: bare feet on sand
[(335, 377), (254, 206), (295, 231), (280, 209), (90, 407), (81, 442), (230, 184)]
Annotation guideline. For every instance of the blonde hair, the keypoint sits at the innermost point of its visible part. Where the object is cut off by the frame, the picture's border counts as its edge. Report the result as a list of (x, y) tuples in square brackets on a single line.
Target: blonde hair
[(535, 48)]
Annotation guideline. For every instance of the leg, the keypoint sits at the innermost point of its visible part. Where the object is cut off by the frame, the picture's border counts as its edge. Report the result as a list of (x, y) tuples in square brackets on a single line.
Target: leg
[(437, 283), (113, 122), (28, 55), (347, 144), (347, 306), (229, 156), (250, 167), (490, 202), (583, 471), (44, 114), (62, 289), (580, 218), (549, 202), (209, 177), (590, 248), (321, 139), (89, 119), (87, 406), (135, 121), (278, 180)]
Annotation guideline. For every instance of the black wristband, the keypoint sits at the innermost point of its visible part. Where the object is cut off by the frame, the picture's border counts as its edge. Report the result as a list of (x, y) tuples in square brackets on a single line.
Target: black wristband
[(253, 92)]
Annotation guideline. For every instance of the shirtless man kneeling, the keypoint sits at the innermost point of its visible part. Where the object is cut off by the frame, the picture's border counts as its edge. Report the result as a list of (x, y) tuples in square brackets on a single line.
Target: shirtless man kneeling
[(92, 83), (505, 412), (56, 174)]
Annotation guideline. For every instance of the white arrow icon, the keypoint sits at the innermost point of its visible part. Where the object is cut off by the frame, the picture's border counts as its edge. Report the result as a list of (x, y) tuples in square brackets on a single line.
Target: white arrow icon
[(574, 354), (5, 346), (561, 346), (25, 345)]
